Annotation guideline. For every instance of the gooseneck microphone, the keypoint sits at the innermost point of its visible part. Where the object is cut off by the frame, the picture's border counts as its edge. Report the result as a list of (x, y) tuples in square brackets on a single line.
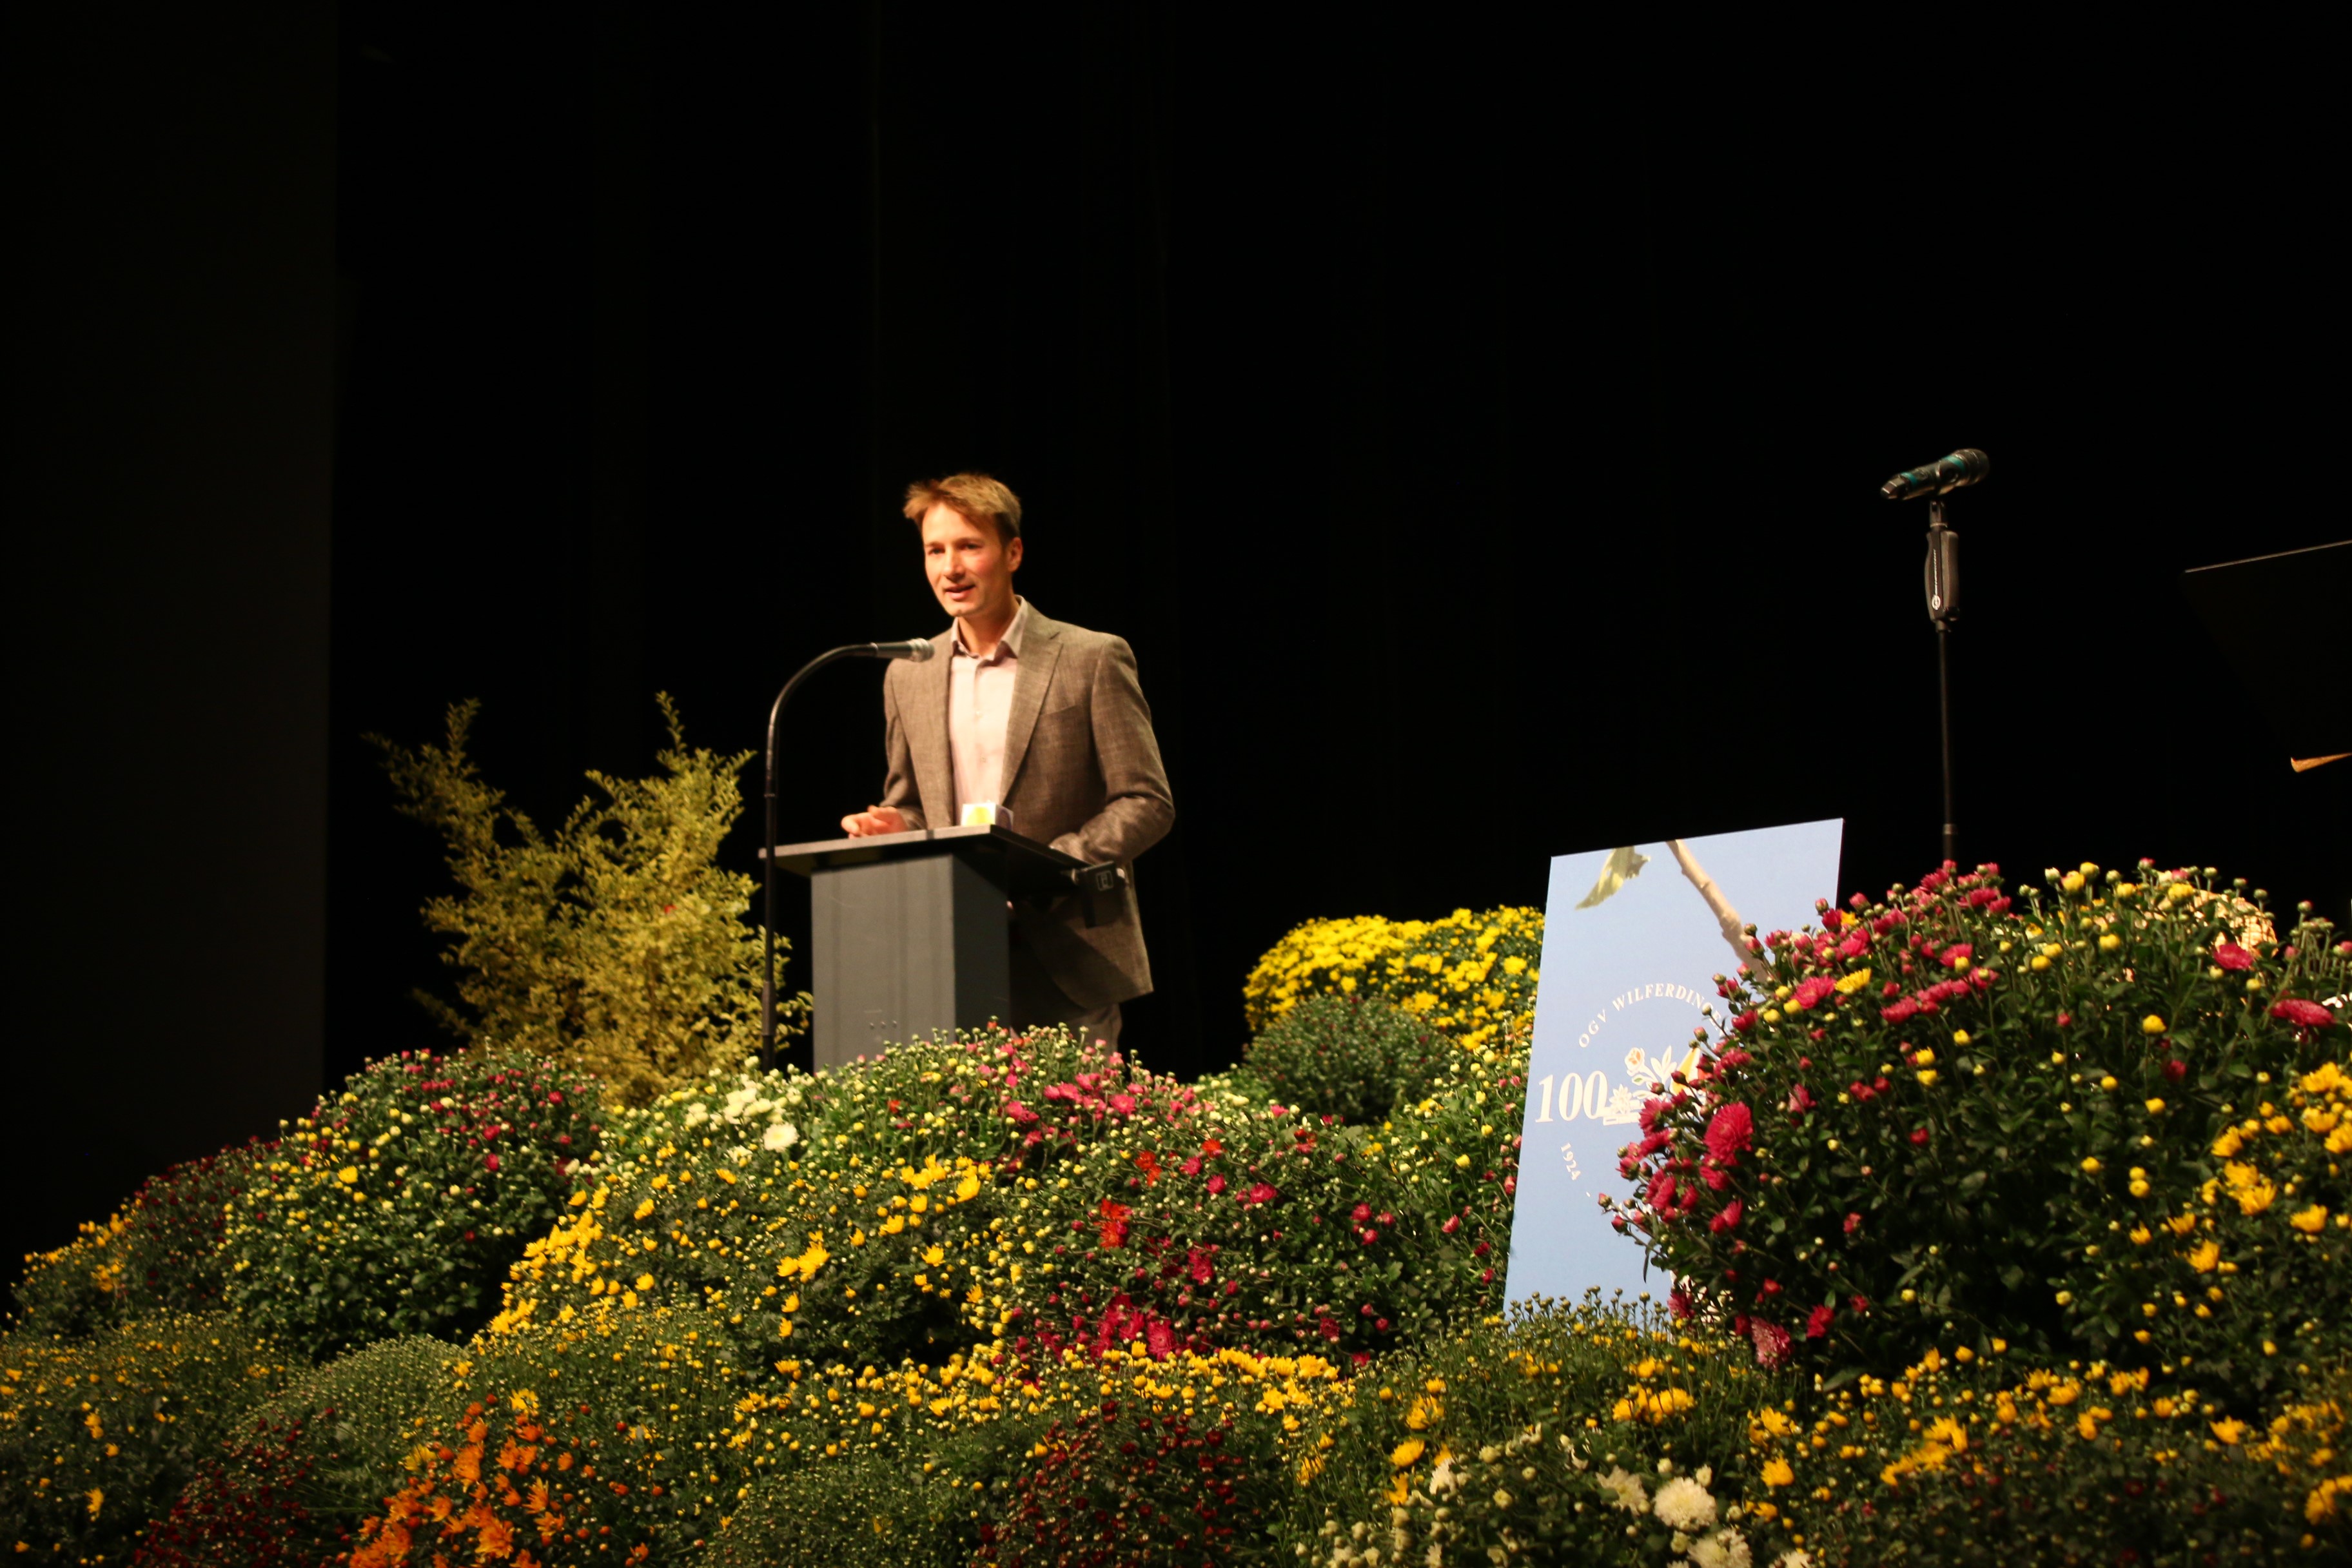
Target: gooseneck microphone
[(915, 649), (1944, 475)]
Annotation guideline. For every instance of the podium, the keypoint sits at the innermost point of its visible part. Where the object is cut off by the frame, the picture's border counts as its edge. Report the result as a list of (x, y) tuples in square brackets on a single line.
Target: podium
[(910, 933)]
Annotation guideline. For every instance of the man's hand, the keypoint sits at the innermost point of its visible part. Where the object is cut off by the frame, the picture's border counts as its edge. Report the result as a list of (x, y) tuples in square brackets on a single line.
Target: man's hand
[(879, 819)]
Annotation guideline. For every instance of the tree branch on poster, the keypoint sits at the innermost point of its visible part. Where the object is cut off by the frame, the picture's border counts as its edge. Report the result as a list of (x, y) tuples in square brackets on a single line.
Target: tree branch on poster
[(1735, 929)]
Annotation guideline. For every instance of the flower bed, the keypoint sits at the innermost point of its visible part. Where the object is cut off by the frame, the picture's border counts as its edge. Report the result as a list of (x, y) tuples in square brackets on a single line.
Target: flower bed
[(397, 1206), (1955, 1117), (1467, 974), (161, 1253), (2003, 1226)]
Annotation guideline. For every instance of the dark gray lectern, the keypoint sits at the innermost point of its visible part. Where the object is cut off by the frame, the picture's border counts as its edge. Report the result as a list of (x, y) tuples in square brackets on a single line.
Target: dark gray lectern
[(909, 933)]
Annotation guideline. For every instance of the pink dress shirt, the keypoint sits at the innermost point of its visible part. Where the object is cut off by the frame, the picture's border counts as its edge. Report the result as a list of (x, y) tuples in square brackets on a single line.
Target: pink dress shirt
[(980, 706)]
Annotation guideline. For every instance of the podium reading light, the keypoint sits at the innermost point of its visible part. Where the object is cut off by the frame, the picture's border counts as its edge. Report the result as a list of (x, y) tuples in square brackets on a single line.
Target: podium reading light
[(916, 648), (1938, 479)]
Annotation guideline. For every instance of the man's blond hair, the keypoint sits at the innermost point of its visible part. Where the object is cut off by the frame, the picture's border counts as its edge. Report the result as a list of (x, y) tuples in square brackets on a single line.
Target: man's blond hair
[(977, 497)]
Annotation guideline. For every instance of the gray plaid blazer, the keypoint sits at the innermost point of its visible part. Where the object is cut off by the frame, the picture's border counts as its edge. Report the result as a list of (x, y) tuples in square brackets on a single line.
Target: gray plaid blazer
[(1082, 772)]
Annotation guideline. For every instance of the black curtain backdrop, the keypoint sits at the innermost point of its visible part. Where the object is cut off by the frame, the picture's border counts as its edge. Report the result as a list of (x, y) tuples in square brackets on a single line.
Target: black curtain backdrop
[(1478, 443), (170, 361)]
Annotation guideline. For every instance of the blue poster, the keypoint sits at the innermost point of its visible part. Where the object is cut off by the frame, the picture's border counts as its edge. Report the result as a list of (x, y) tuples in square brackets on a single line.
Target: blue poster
[(1633, 939)]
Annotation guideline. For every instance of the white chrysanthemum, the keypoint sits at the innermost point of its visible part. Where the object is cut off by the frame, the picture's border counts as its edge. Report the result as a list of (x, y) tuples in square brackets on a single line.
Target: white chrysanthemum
[(1446, 1478), (1800, 1558), (746, 1102), (1724, 1549), (1685, 1505), (781, 1136), (696, 1114), (1631, 1495)]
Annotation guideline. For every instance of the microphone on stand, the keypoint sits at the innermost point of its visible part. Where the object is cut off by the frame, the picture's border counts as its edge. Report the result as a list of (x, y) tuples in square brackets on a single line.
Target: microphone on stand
[(1942, 476), (915, 649), (1940, 479)]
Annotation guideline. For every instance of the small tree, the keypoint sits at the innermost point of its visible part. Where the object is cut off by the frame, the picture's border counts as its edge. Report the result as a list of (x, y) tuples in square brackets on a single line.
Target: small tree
[(618, 944)]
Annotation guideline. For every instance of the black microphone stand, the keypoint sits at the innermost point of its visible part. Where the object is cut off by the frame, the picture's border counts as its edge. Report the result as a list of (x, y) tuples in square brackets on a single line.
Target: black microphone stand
[(1943, 584), (768, 857)]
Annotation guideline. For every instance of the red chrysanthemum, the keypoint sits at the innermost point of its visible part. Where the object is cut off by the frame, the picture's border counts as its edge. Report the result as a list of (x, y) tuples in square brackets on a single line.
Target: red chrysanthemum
[(1729, 1131)]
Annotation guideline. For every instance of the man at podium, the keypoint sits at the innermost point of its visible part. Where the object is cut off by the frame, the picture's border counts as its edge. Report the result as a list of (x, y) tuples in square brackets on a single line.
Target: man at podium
[(1036, 725)]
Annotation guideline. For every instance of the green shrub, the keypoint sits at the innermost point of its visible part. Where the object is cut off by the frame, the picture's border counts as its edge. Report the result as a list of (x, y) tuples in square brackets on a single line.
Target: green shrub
[(618, 946), (1455, 1152), (1251, 1225), (2245, 1283), (398, 1204), (892, 1508), (1350, 1056), (1235, 1084), (1983, 1463), (1108, 1457), (244, 1505), (347, 1427), (603, 1428), (1467, 974), (160, 1253), (1595, 1434), (1124, 1482), (98, 1435), (1947, 1119), (863, 1239)]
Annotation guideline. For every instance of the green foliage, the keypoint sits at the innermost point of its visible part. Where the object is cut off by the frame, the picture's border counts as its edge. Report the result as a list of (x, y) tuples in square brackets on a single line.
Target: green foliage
[(98, 1435), (1971, 1464), (1589, 1434), (1238, 1223), (1125, 1482), (599, 1424), (862, 1239), (160, 1253), (618, 944), (2242, 1284), (351, 1422), (245, 1506), (1468, 975), (1455, 1155), (398, 1204), (1110, 1456), (1948, 1120), (1350, 1056), (898, 1507)]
